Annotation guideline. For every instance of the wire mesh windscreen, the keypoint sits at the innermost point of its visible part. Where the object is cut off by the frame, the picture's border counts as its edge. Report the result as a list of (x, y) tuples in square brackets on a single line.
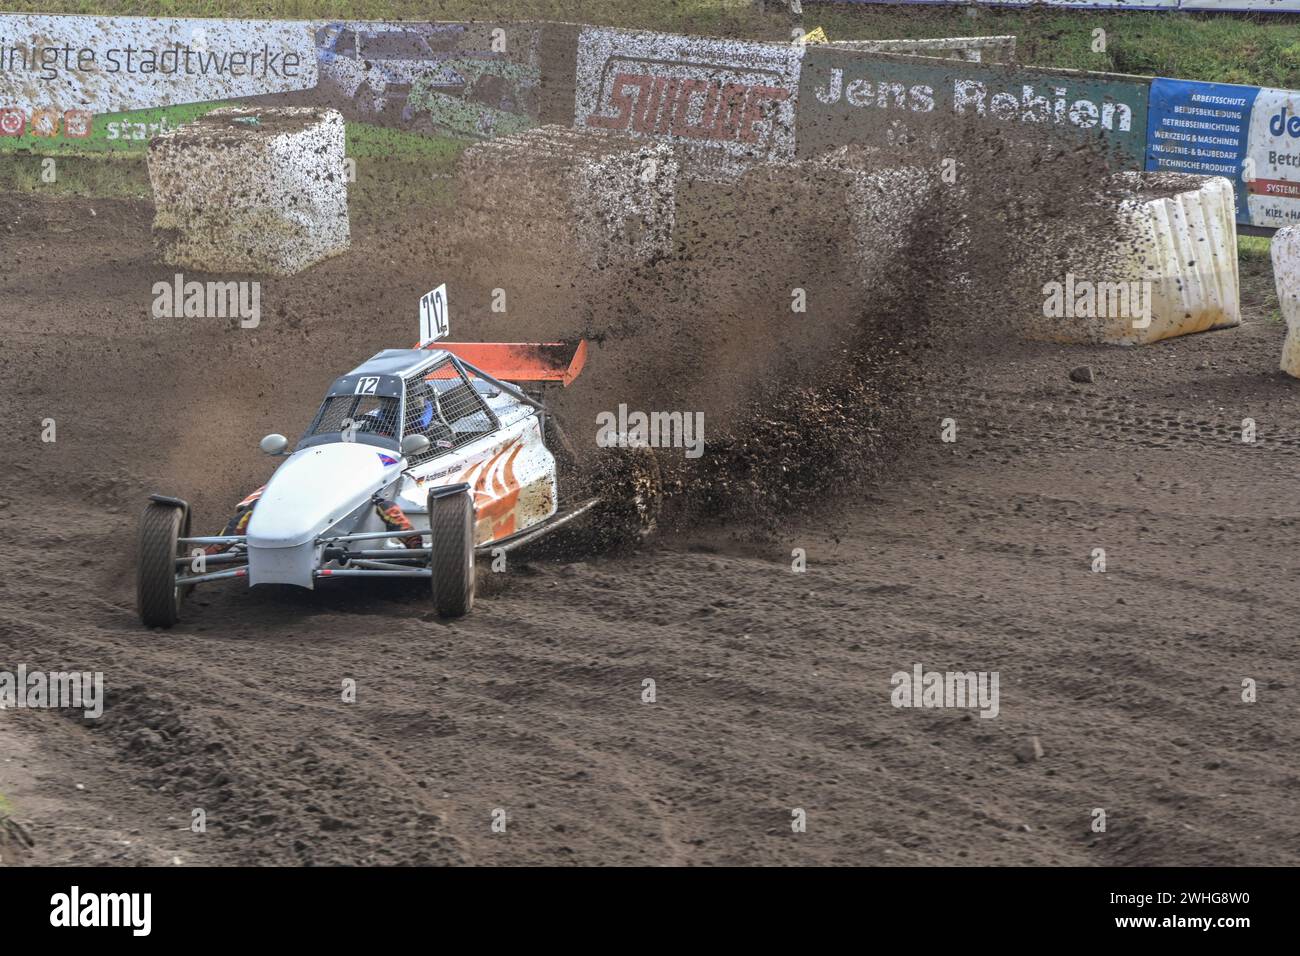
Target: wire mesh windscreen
[(356, 414), (443, 405)]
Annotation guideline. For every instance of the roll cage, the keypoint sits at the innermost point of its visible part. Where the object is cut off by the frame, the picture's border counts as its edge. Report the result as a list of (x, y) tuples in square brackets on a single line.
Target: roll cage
[(401, 392)]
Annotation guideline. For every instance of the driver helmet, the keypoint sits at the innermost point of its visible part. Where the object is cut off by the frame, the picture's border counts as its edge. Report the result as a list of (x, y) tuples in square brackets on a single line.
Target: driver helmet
[(383, 421)]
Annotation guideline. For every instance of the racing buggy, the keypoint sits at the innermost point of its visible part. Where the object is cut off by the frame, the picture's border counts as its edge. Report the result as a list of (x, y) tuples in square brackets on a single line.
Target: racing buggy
[(417, 460)]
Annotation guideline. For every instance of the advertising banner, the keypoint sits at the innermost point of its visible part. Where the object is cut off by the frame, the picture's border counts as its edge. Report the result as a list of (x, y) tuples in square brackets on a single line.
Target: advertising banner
[(731, 102), (53, 64), (1273, 159), (61, 76), (1261, 6), (469, 80), (882, 100), (1200, 128), (1248, 134)]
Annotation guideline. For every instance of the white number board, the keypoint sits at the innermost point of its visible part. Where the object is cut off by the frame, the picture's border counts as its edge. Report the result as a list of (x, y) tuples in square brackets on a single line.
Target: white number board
[(434, 323)]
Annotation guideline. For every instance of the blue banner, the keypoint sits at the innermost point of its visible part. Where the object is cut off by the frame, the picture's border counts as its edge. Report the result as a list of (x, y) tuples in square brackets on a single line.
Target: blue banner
[(1249, 134), (1201, 128)]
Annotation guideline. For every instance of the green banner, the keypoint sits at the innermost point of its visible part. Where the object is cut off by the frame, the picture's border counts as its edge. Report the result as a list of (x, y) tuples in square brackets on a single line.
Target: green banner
[(874, 99), (76, 132)]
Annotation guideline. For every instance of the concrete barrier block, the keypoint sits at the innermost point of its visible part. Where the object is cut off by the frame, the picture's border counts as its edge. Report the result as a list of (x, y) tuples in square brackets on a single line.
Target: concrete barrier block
[(251, 190), (1286, 273), (553, 190), (886, 206)]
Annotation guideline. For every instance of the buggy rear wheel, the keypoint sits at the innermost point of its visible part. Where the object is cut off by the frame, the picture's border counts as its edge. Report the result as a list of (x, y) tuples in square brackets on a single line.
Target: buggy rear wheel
[(157, 595), (451, 553)]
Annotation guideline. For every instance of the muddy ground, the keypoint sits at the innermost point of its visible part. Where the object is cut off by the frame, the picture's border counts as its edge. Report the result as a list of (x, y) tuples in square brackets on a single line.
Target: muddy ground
[(773, 687)]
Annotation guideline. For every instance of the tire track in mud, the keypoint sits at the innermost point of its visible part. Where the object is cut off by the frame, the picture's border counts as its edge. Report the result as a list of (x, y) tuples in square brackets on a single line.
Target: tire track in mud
[(269, 806), (774, 688), (1174, 714), (1068, 420)]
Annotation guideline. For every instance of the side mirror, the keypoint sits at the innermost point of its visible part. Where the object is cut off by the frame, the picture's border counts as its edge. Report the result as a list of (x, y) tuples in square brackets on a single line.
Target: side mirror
[(274, 444), (414, 445)]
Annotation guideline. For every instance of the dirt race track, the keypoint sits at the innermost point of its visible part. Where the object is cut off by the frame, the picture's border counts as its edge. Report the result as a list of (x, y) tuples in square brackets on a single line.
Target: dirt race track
[(773, 688)]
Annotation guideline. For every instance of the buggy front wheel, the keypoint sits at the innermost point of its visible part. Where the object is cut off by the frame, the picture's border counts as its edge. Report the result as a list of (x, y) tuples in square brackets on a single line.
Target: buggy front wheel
[(157, 595), (451, 552)]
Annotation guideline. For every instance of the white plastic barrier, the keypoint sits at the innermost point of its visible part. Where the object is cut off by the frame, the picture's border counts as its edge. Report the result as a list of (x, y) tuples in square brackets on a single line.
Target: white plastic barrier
[(1286, 273), (1187, 249), (1171, 263), (251, 190)]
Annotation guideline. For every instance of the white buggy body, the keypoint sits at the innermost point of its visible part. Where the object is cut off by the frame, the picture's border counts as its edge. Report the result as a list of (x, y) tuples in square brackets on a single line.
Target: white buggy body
[(479, 435), (416, 459)]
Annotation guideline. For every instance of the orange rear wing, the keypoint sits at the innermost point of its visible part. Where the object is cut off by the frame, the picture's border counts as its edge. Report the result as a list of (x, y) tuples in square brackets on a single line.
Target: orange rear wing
[(523, 361)]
